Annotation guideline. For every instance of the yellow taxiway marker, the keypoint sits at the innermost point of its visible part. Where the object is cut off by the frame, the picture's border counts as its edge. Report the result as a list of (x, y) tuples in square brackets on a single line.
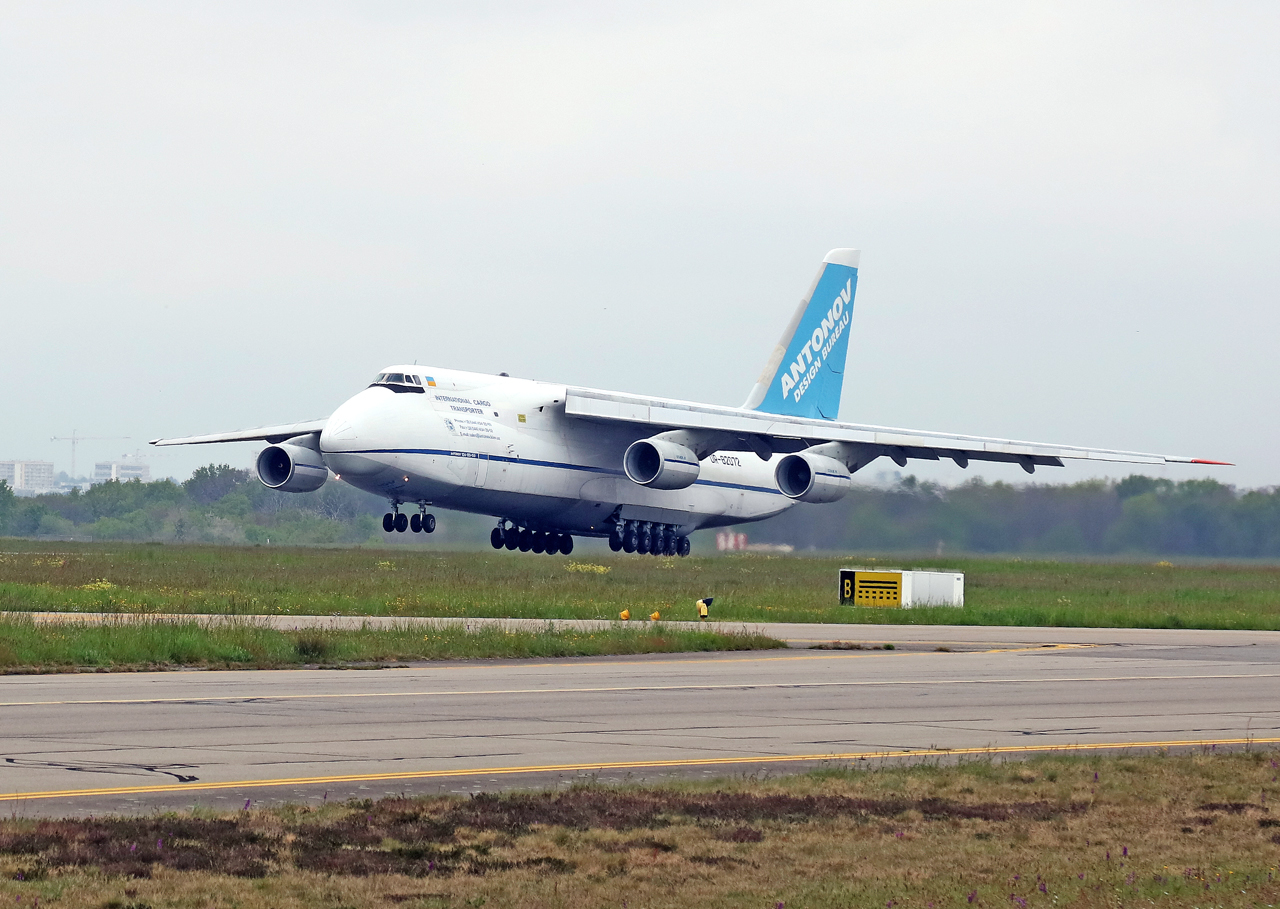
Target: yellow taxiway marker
[(627, 765)]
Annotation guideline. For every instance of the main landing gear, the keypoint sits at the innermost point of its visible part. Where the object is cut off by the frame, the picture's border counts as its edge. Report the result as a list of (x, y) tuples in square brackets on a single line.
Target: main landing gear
[(526, 540), (395, 522), (648, 537)]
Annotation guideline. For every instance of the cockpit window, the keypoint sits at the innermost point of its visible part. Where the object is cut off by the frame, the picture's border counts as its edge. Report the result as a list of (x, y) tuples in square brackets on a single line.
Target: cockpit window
[(400, 382)]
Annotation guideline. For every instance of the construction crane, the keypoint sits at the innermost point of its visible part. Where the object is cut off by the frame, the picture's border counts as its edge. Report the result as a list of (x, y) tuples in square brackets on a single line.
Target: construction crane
[(73, 439)]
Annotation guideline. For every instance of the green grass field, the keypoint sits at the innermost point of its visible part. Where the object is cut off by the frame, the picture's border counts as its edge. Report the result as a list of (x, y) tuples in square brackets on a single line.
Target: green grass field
[(27, 646), (123, 577), (1088, 832)]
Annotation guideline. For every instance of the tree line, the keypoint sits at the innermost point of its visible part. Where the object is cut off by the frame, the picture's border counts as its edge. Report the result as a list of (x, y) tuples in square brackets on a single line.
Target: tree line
[(1138, 514), (218, 504)]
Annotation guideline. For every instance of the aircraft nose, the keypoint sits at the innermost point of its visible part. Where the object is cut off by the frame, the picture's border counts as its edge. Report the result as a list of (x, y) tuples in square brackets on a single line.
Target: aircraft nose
[(347, 435), (343, 430), (337, 430)]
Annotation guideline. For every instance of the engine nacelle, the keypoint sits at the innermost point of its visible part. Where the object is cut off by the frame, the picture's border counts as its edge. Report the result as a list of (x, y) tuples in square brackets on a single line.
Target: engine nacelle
[(291, 468), (812, 478), (660, 464)]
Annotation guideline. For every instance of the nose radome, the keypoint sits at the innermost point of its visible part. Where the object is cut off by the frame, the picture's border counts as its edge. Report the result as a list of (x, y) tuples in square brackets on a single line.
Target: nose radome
[(340, 429), (343, 427)]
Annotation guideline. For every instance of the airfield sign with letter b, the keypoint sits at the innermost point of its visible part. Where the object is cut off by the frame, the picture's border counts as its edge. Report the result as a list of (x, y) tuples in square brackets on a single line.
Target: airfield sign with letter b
[(901, 589)]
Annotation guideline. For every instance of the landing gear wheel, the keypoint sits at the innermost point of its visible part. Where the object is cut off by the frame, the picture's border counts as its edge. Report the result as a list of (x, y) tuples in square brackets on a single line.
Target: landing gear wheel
[(402, 523), (512, 539), (566, 544), (615, 542), (495, 538), (526, 540), (428, 523), (415, 523), (539, 542), (683, 547), (673, 545), (389, 522), (631, 542), (646, 542), (553, 544)]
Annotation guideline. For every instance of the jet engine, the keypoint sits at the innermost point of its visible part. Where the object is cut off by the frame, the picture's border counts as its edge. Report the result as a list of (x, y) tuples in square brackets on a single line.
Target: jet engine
[(660, 464), (812, 478), (291, 468)]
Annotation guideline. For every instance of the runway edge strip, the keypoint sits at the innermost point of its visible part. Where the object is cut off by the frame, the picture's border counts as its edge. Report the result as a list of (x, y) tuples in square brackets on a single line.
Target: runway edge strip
[(631, 765)]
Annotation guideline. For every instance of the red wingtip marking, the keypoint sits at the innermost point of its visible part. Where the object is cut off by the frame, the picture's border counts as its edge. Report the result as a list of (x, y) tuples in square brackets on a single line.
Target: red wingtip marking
[(1219, 463)]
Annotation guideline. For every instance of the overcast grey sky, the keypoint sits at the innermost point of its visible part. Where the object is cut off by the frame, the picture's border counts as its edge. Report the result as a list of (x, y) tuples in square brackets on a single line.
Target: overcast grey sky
[(221, 215)]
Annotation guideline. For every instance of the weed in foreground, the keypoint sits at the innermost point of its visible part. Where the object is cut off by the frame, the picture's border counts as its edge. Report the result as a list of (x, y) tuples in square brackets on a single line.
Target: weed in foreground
[(1095, 831), (26, 645)]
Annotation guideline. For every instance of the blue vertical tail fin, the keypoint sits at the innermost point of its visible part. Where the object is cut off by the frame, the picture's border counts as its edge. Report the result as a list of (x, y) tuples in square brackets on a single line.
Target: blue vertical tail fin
[(805, 374)]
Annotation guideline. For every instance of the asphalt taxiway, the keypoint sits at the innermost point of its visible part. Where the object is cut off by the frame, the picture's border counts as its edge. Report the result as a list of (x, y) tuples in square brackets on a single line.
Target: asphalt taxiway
[(91, 743)]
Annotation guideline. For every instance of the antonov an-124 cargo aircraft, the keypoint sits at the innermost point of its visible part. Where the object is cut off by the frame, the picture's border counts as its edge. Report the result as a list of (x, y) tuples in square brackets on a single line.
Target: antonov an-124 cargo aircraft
[(553, 461)]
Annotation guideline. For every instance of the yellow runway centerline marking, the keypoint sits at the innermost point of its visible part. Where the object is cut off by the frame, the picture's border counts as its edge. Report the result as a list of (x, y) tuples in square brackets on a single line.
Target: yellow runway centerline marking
[(625, 765), (605, 689)]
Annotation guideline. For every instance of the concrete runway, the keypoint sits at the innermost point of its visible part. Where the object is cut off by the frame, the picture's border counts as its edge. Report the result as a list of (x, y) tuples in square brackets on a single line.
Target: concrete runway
[(92, 743)]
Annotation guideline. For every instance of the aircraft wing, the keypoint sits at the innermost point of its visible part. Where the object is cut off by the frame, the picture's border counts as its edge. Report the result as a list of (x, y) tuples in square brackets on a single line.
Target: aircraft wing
[(272, 434), (737, 429)]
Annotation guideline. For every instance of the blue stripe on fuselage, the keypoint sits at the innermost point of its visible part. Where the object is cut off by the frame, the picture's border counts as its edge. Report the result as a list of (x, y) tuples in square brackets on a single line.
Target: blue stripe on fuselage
[(554, 464)]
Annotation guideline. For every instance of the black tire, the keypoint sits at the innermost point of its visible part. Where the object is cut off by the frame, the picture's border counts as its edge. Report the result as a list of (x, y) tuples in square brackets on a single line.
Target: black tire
[(615, 542), (512, 538), (402, 523), (539, 542), (646, 542), (389, 522), (415, 523), (526, 540), (428, 523), (566, 544), (495, 538), (683, 547), (673, 545), (631, 542)]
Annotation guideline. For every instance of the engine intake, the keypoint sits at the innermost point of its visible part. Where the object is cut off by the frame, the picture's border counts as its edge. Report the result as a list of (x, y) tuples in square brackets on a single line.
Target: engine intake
[(291, 468), (812, 478), (660, 464)]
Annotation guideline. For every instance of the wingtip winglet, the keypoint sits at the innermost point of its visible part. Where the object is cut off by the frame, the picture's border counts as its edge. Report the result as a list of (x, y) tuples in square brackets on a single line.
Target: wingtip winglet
[(1217, 463)]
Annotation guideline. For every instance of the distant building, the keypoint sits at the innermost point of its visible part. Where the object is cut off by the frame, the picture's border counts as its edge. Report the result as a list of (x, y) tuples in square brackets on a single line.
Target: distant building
[(728, 541), (27, 476), (129, 467)]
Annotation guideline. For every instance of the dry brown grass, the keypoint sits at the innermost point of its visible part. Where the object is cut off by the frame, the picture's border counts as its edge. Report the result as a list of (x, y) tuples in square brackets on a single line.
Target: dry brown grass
[(1190, 830)]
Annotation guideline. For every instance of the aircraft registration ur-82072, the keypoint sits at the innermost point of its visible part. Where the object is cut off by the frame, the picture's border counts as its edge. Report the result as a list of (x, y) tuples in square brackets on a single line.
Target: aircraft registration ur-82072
[(553, 461)]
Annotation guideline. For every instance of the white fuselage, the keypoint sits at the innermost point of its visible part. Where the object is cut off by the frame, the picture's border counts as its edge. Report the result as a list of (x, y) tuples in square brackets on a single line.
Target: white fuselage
[(504, 447)]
